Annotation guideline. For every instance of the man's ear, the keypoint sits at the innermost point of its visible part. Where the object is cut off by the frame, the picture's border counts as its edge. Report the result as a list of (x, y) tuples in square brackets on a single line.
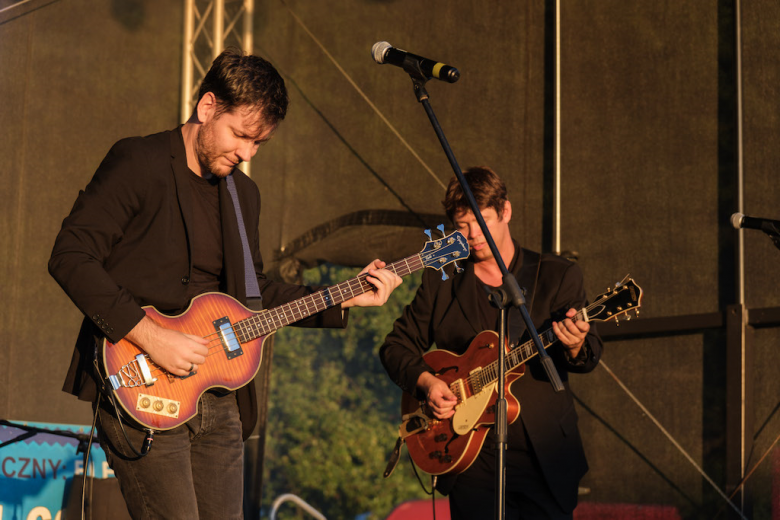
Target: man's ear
[(506, 215), (207, 107)]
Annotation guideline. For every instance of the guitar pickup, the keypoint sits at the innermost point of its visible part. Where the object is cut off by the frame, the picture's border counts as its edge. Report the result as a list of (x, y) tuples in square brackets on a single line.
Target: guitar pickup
[(228, 338)]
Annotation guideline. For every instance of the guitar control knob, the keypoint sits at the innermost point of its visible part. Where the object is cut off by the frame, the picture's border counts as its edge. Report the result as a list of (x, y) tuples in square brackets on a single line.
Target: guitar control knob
[(145, 402), (158, 406), (435, 455), (447, 458), (172, 408), (441, 437)]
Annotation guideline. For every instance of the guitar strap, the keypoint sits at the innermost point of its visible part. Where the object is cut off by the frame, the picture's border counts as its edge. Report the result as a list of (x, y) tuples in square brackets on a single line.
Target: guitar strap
[(253, 297), (527, 277)]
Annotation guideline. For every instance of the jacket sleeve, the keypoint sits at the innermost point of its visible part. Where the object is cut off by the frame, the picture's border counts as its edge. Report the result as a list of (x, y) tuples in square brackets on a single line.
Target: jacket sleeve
[(412, 335), (97, 222), (571, 294)]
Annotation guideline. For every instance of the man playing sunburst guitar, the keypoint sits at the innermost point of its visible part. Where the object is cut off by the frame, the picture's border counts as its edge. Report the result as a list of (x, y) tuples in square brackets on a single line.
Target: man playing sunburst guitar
[(158, 227), (545, 458)]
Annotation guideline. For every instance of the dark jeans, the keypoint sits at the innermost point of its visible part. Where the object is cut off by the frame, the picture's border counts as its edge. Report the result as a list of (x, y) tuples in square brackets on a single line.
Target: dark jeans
[(192, 471)]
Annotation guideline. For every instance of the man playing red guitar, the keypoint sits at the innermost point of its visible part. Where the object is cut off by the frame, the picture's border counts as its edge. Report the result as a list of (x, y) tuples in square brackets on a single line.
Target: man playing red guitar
[(545, 457), (158, 226)]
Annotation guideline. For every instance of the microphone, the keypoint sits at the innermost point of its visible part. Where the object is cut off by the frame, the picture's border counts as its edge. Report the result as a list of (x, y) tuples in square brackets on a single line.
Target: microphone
[(738, 220), (383, 52)]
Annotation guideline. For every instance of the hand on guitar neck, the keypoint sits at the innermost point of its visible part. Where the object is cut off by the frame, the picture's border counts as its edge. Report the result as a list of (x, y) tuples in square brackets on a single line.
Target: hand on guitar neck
[(571, 333), (180, 354), (384, 282), (177, 352)]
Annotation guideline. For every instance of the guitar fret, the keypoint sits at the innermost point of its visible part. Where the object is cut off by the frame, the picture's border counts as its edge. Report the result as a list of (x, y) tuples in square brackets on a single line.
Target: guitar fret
[(269, 320)]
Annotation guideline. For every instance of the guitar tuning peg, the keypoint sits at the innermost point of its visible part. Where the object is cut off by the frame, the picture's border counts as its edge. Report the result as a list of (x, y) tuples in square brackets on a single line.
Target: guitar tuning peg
[(440, 227), (428, 232), (444, 276), (458, 269)]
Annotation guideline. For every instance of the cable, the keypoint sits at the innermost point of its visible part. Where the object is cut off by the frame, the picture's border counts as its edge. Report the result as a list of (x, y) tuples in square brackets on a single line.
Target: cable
[(107, 391), (433, 495), (85, 468), (671, 439), (364, 96), (749, 473), (433, 481)]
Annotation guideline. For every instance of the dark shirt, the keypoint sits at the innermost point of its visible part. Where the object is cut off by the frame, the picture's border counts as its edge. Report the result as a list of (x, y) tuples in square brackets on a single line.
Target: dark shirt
[(517, 440), (207, 269)]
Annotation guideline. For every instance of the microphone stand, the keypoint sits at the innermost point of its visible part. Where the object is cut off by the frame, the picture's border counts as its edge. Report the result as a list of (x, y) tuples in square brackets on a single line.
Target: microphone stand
[(772, 232), (508, 294)]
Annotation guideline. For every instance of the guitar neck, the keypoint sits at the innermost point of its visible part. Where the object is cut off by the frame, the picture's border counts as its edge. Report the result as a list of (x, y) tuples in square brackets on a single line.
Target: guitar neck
[(271, 320), (519, 355), (624, 299)]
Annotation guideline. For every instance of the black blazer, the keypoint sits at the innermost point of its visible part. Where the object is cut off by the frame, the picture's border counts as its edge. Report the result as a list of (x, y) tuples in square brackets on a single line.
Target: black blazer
[(125, 244), (446, 314)]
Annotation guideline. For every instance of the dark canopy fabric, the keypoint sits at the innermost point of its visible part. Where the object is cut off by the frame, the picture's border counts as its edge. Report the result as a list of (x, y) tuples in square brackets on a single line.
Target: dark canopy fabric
[(648, 161)]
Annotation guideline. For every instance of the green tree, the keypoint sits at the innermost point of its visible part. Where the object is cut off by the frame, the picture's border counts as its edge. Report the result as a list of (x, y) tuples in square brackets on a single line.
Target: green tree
[(334, 413)]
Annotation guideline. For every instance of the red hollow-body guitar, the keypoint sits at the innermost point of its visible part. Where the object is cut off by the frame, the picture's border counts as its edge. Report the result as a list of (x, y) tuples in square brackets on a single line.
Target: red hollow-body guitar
[(451, 445), (158, 400)]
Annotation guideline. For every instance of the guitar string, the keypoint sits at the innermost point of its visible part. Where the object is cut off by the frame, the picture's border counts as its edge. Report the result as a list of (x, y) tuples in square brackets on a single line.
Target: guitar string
[(273, 314), (525, 349), (365, 285)]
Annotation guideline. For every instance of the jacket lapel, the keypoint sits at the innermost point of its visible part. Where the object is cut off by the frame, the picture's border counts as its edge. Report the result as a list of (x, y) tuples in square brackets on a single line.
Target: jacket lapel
[(464, 289), (183, 191)]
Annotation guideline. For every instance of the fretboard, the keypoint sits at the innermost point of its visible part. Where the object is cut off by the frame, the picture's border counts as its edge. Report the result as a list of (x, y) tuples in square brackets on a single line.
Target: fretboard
[(514, 358), (271, 320)]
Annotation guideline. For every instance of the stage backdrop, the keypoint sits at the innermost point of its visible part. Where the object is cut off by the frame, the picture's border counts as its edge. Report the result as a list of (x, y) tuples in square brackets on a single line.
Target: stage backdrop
[(649, 147)]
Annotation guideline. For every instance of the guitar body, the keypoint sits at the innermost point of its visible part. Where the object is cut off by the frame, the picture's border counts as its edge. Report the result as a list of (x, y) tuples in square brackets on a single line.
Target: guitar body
[(160, 401), (171, 400), (452, 445)]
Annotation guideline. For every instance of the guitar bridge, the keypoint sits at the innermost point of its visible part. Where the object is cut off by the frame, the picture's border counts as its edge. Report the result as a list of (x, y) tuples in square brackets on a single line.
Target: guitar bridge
[(136, 373)]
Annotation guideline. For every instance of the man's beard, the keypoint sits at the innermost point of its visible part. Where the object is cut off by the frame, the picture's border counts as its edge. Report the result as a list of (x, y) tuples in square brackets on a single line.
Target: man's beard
[(207, 157)]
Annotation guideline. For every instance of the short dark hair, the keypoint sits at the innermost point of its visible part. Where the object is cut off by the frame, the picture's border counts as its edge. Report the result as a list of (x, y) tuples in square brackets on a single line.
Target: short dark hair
[(488, 189), (242, 80)]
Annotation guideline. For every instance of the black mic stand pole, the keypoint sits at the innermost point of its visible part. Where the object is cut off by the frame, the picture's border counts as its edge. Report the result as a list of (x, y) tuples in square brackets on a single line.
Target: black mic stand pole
[(509, 293), (772, 232)]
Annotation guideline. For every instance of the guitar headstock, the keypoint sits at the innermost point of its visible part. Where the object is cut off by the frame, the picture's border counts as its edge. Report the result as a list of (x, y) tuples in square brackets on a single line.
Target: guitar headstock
[(446, 250), (622, 300)]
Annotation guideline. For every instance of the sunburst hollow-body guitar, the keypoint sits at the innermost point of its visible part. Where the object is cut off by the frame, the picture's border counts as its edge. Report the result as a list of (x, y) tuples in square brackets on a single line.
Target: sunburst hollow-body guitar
[(159, 400)]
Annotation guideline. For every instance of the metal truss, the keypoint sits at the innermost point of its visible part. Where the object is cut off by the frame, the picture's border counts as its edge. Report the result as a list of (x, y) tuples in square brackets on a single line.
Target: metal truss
[(209, 27)]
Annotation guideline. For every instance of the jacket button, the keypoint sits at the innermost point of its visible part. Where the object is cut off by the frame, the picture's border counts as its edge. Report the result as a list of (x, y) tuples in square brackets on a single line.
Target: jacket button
[(185, 280)]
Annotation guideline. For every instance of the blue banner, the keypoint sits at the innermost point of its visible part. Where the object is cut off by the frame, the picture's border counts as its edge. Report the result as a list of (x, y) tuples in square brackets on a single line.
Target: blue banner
[(36, 473)]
